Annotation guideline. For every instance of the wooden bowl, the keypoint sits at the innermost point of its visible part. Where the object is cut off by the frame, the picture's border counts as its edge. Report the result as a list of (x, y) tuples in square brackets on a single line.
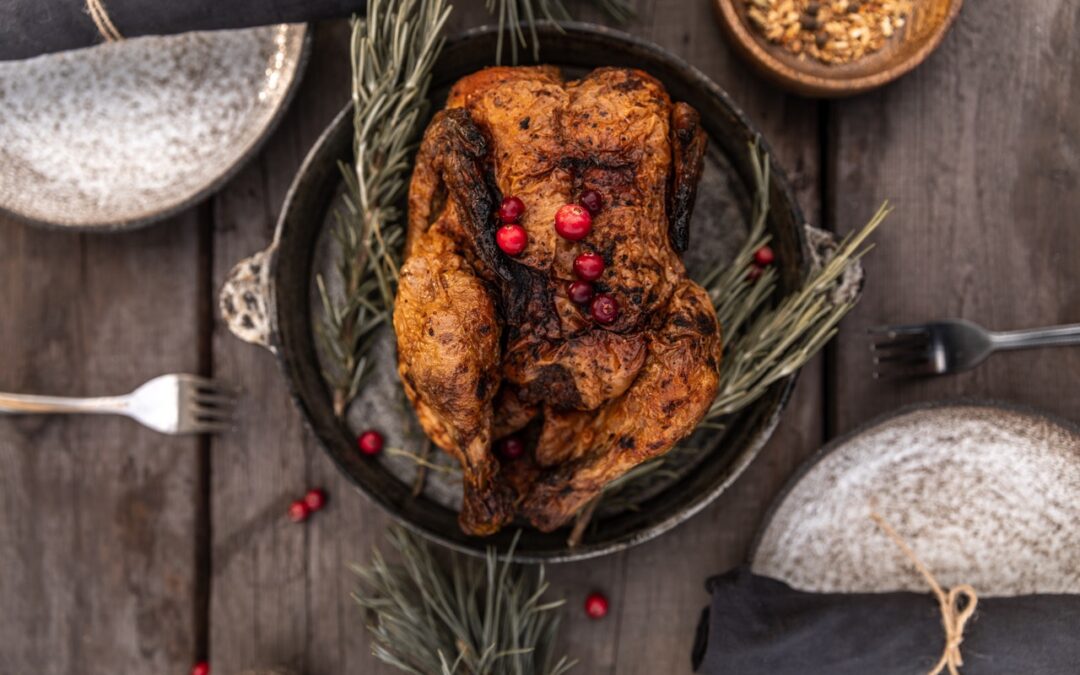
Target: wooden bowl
[(921, 34)]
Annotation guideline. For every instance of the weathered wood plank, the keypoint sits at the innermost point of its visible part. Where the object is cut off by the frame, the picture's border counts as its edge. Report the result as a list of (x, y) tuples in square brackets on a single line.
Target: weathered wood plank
[(280, 591), (979, 149), (99, 514)]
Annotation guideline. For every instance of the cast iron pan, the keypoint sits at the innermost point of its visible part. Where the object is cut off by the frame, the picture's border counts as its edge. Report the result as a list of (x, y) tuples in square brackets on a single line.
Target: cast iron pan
[(268, 301)]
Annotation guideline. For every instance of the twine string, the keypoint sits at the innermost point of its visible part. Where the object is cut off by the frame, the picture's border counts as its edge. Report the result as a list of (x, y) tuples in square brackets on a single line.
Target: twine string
[(953, 618), (105, 26)]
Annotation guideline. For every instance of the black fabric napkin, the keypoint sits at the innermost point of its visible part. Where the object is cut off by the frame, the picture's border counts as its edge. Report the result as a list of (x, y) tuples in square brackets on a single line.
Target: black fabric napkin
[(760, 625), (32, 27)]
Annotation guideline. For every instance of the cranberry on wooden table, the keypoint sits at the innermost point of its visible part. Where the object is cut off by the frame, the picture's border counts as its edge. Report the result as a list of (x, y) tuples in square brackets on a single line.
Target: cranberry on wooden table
[(299, 511), (315, 498), (596, 606), (370, 442), (573, 222), (200, 668)]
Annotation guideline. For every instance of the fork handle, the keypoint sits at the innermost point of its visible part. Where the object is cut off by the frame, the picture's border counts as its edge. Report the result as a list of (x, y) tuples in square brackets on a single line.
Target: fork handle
[(1038, 337), (29, 404)]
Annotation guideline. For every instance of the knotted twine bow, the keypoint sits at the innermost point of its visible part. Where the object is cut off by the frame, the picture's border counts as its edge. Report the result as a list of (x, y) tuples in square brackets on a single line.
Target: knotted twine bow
[(953, 618), (105, 26)]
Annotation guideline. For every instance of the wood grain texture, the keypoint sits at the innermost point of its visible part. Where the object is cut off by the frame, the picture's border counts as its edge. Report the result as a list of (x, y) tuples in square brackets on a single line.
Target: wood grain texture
[(98, 519), (280, 591), (980, 152)]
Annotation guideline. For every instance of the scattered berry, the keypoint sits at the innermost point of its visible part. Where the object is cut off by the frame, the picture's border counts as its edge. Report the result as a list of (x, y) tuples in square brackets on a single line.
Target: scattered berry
[(512, 239), (592, 200), (604, 308), (596, 606), (580, 292), (511, 448), (572, 222), (754, 273), (370, 442), (764, 256), (315, 499), (511, 209), (299, 511), (200, 668), (588, 266)]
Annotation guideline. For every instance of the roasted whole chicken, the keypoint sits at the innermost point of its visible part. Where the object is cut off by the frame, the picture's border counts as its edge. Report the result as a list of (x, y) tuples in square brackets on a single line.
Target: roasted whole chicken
[(543, 296)]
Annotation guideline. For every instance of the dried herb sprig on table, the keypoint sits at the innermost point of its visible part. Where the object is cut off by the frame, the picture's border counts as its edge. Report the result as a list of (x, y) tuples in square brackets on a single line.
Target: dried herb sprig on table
[(488, 617), (393, 52), (517, 16)]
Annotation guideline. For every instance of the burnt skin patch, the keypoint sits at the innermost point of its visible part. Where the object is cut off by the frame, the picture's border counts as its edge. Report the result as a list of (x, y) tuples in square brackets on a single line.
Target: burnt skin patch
[(627, 443), (553, 385), (705, 324), (524, 123)]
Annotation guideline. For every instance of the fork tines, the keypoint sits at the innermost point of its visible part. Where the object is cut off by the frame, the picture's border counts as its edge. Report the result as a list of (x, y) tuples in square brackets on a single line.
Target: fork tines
[(211, 404), (902, 351)]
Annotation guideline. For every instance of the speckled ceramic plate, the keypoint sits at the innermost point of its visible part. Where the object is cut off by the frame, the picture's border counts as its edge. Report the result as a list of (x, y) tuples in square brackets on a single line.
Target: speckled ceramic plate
[(124, 134), (985, 494)]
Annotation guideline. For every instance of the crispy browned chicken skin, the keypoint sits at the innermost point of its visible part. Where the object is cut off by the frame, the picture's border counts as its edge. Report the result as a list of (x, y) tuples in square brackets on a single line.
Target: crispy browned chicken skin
[(487, 342)]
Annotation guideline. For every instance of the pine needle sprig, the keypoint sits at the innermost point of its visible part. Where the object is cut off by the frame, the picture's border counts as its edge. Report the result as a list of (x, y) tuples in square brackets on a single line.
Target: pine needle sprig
[(515, 16), (490, 617), (393, 52)]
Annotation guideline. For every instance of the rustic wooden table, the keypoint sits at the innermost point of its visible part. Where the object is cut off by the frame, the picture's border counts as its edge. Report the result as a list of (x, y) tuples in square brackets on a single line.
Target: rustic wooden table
[(123, 551)]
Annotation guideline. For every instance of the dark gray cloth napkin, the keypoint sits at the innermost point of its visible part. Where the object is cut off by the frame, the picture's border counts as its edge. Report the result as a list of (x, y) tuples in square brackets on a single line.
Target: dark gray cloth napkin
[(32, 27), (759, 625)]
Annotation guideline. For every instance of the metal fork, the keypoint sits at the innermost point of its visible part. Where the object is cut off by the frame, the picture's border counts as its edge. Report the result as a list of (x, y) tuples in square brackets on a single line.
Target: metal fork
[(171, 404), (953, 345)]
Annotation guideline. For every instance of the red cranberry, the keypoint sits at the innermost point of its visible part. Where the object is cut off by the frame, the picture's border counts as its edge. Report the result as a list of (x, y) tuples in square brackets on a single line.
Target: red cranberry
[(572, 222), (512, 239), (315, 498), (764, 256), (370, 442), (200, 668), (299, 511), (604, 308), (511, 448), (579, 291), (511, 209), (596, 606), (754, 273), (588, 266), (592, 200)]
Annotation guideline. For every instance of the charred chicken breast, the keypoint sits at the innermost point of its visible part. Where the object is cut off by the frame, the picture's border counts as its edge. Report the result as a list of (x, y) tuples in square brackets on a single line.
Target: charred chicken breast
[(490, 342)]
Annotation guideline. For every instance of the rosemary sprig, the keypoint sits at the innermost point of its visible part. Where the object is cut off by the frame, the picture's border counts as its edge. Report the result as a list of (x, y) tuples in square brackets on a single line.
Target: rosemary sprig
[(393, 51), (488, 618), (764, 345), (517, 16)]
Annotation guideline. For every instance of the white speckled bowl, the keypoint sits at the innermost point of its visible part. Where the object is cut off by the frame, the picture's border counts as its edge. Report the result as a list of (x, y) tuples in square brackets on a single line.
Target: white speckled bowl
[(984, 494), (123, 134)]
